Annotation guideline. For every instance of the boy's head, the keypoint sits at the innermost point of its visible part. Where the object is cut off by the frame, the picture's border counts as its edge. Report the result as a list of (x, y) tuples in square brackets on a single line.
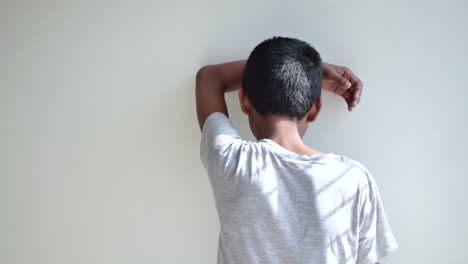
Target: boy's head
[(282, 78)]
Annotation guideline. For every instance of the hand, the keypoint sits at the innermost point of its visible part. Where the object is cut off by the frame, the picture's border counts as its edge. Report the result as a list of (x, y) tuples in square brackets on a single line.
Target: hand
[(342, 81)]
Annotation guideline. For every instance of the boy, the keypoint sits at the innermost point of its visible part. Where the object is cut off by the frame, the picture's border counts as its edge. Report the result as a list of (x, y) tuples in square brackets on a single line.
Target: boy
[(278, 200)]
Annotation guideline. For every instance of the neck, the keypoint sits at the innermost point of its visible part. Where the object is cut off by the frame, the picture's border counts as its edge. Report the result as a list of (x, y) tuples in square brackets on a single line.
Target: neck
[(286, 133)]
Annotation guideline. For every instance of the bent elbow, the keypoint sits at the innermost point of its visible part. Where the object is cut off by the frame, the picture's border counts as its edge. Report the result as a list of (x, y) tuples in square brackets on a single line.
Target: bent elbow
[(203, 71)]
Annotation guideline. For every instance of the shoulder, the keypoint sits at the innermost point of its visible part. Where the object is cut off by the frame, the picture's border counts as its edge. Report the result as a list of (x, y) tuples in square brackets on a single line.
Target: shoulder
[(215, 119), (354, 163), (357, 171), (221, 142), (218, 130), (221, 132)]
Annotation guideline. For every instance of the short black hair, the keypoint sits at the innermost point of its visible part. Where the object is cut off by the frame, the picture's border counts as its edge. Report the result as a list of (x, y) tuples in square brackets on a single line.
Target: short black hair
[(283, 76)]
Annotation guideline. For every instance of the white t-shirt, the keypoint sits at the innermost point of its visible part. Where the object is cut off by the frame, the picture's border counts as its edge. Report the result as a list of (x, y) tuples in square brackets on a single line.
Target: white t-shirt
[(276, 206)]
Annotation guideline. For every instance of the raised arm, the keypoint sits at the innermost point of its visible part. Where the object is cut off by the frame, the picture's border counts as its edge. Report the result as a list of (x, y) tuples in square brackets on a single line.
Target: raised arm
[(213, 81)]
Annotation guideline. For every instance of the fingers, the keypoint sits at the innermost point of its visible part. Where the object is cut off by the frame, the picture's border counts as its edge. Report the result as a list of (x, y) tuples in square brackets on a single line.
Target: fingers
[(358, 89), (355, 89), (357, 93), (351, 96), (342, 82), (348, 96)]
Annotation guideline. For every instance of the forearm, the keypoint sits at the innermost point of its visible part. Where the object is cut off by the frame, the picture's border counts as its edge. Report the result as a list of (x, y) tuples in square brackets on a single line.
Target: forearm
[(225, 77), (228, 76)]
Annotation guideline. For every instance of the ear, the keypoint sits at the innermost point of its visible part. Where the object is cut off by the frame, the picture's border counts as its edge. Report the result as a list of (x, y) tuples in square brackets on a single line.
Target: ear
[(315, 110), (244, 101)]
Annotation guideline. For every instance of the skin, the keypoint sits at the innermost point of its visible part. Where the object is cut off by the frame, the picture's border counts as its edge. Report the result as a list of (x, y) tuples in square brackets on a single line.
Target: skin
[(213, 81)]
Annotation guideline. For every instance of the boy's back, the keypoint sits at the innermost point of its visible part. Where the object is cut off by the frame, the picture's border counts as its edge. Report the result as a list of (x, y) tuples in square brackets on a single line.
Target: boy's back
[(278, 200), (276, 206)]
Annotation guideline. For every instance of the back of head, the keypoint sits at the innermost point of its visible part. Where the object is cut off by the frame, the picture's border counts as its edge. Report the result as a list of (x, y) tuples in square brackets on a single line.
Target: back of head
[(283, 76)]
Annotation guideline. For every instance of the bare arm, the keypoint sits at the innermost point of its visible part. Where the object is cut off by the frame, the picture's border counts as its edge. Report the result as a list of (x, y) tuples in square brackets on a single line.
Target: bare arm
[(212, 82), (215, 80)]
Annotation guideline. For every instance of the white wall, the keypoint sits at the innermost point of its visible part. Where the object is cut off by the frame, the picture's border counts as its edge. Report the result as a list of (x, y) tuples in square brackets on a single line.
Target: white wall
[(99, 141)]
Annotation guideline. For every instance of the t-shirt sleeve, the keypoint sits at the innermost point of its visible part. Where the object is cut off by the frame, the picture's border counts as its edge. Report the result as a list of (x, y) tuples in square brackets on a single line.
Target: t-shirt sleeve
[(376, 239), (219, 137)]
